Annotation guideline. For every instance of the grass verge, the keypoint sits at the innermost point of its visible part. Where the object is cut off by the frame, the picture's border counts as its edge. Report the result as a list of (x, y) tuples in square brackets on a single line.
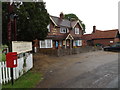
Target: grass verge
[(28, 80)]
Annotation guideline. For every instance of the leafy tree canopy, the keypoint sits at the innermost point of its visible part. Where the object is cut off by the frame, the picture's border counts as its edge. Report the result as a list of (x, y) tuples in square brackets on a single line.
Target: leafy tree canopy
[(32, 21), (72, 16)]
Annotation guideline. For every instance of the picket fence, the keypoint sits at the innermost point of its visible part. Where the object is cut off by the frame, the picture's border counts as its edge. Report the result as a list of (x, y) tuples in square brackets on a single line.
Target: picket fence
[(24, 64)]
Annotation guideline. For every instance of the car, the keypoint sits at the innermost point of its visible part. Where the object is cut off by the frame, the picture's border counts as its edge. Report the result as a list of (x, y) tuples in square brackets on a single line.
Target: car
[(114, 47)]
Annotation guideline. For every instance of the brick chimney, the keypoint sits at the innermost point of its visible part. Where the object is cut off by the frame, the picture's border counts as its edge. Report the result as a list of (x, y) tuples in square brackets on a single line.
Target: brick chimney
[(61, 15), (94, 29)]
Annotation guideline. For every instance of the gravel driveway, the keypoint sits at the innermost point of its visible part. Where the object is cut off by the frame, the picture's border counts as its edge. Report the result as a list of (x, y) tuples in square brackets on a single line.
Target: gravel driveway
[(96, 69)]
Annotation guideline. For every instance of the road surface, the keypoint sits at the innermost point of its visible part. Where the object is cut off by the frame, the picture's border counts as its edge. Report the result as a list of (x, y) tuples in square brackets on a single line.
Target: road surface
[(96, 69)]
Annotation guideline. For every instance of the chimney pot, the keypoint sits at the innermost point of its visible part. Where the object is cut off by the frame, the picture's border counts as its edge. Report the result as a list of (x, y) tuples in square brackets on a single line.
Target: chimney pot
[(94, 29), (61, 15)]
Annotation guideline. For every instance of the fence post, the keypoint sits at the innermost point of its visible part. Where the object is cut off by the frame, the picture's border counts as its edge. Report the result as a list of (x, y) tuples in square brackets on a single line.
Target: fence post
[(3, 69), (0, 73), (6, 73), (9, 75)]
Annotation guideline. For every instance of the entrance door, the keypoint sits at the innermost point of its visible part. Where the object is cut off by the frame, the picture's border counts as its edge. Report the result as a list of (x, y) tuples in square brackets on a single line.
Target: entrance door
[(68, 43)]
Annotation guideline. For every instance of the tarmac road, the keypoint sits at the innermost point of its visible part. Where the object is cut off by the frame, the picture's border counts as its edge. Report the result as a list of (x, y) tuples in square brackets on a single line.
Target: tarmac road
[(97, 69)]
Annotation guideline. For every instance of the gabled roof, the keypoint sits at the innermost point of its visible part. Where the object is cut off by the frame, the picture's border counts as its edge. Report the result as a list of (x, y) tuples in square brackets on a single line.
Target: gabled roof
[(64, 22), (105, 34), (74, 23), (101, 34), (60, 22)]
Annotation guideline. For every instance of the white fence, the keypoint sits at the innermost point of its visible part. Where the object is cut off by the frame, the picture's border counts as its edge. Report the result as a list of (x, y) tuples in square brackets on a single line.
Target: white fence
[(24, 64)]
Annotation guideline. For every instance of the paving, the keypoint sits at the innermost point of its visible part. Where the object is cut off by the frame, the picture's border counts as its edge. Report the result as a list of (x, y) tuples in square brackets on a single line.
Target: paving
[(96, 69)]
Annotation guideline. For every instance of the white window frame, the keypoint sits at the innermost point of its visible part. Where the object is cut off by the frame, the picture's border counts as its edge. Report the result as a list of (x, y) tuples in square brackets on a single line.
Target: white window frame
[(77, 31), (63, 28), (41, 43), (79, 43), (46, 43)]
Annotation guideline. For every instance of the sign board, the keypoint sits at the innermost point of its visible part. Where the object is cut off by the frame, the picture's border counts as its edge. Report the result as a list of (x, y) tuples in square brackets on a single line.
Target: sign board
[(111, 41), (21, 47)]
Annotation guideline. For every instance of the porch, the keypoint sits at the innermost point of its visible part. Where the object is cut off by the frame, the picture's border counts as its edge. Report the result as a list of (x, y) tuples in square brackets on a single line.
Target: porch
[(61, 43)]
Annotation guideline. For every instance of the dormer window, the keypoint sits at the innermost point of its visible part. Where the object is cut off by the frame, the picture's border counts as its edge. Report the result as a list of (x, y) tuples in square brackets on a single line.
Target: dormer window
[(63, 30), (76, 30)]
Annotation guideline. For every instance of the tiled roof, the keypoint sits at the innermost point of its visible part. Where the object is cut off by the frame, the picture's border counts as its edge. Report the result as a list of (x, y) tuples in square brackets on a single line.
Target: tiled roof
[(101, 34), (73, 23), (105, 34), (63, 22)]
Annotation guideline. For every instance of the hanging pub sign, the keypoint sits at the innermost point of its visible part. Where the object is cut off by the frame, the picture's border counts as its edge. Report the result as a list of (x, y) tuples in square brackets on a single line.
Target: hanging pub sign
[(21, 47)]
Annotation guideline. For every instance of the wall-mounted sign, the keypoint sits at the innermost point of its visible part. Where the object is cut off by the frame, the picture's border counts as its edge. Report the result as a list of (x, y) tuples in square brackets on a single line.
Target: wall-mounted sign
[(21, 47), (54, 31), (111, 41)]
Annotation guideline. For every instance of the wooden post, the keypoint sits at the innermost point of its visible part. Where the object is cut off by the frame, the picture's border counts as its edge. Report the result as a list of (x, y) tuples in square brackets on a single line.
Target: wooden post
[(10, 11), (65, 44)]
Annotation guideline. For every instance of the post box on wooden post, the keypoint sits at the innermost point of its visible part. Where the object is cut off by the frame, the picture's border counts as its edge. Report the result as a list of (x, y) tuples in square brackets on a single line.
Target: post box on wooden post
[(11, 62), (11, 59)]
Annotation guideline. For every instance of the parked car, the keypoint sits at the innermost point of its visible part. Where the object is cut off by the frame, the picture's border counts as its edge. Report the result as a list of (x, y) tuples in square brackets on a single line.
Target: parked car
[(115, 47)]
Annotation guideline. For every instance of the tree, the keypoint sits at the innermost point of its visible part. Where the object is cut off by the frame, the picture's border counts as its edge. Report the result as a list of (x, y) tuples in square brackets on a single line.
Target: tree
[(74, 17), (4, 23), (32, 21)]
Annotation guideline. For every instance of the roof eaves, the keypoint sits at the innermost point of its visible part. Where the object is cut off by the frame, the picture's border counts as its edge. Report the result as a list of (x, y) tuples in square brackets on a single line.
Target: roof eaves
[(79, 24), (53, 21)]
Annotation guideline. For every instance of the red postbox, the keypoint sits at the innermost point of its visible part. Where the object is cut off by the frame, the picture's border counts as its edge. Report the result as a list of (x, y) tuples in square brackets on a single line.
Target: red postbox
[(11, 59)]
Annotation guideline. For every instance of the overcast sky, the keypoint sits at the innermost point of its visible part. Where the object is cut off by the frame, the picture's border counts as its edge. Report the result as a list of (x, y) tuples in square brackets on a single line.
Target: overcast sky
[(102, 13)]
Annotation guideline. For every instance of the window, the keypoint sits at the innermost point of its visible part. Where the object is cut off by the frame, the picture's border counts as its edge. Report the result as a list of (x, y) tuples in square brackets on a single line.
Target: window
[(46, 43), (48, 27), (77, 43), (76, 30), (63, 30), (42, 44)]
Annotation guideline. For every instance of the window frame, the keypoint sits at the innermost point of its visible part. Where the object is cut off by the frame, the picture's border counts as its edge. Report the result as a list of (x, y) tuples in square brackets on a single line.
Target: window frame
[(63, 28), (46, 43), (77, 31), (77, 43)]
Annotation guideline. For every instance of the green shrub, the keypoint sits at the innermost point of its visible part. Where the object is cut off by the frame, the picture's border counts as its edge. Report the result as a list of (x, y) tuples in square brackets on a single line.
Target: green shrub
[(3, 57)]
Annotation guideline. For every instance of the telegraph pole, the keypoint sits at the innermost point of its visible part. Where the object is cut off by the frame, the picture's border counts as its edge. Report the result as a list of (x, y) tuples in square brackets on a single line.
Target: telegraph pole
[(11, 25)]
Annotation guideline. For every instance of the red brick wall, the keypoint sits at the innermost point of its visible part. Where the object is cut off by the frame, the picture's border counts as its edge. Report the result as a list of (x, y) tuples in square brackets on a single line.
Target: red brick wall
[(103, 41), (117, 40), (54, 30), (72, 32), (84, 43)]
